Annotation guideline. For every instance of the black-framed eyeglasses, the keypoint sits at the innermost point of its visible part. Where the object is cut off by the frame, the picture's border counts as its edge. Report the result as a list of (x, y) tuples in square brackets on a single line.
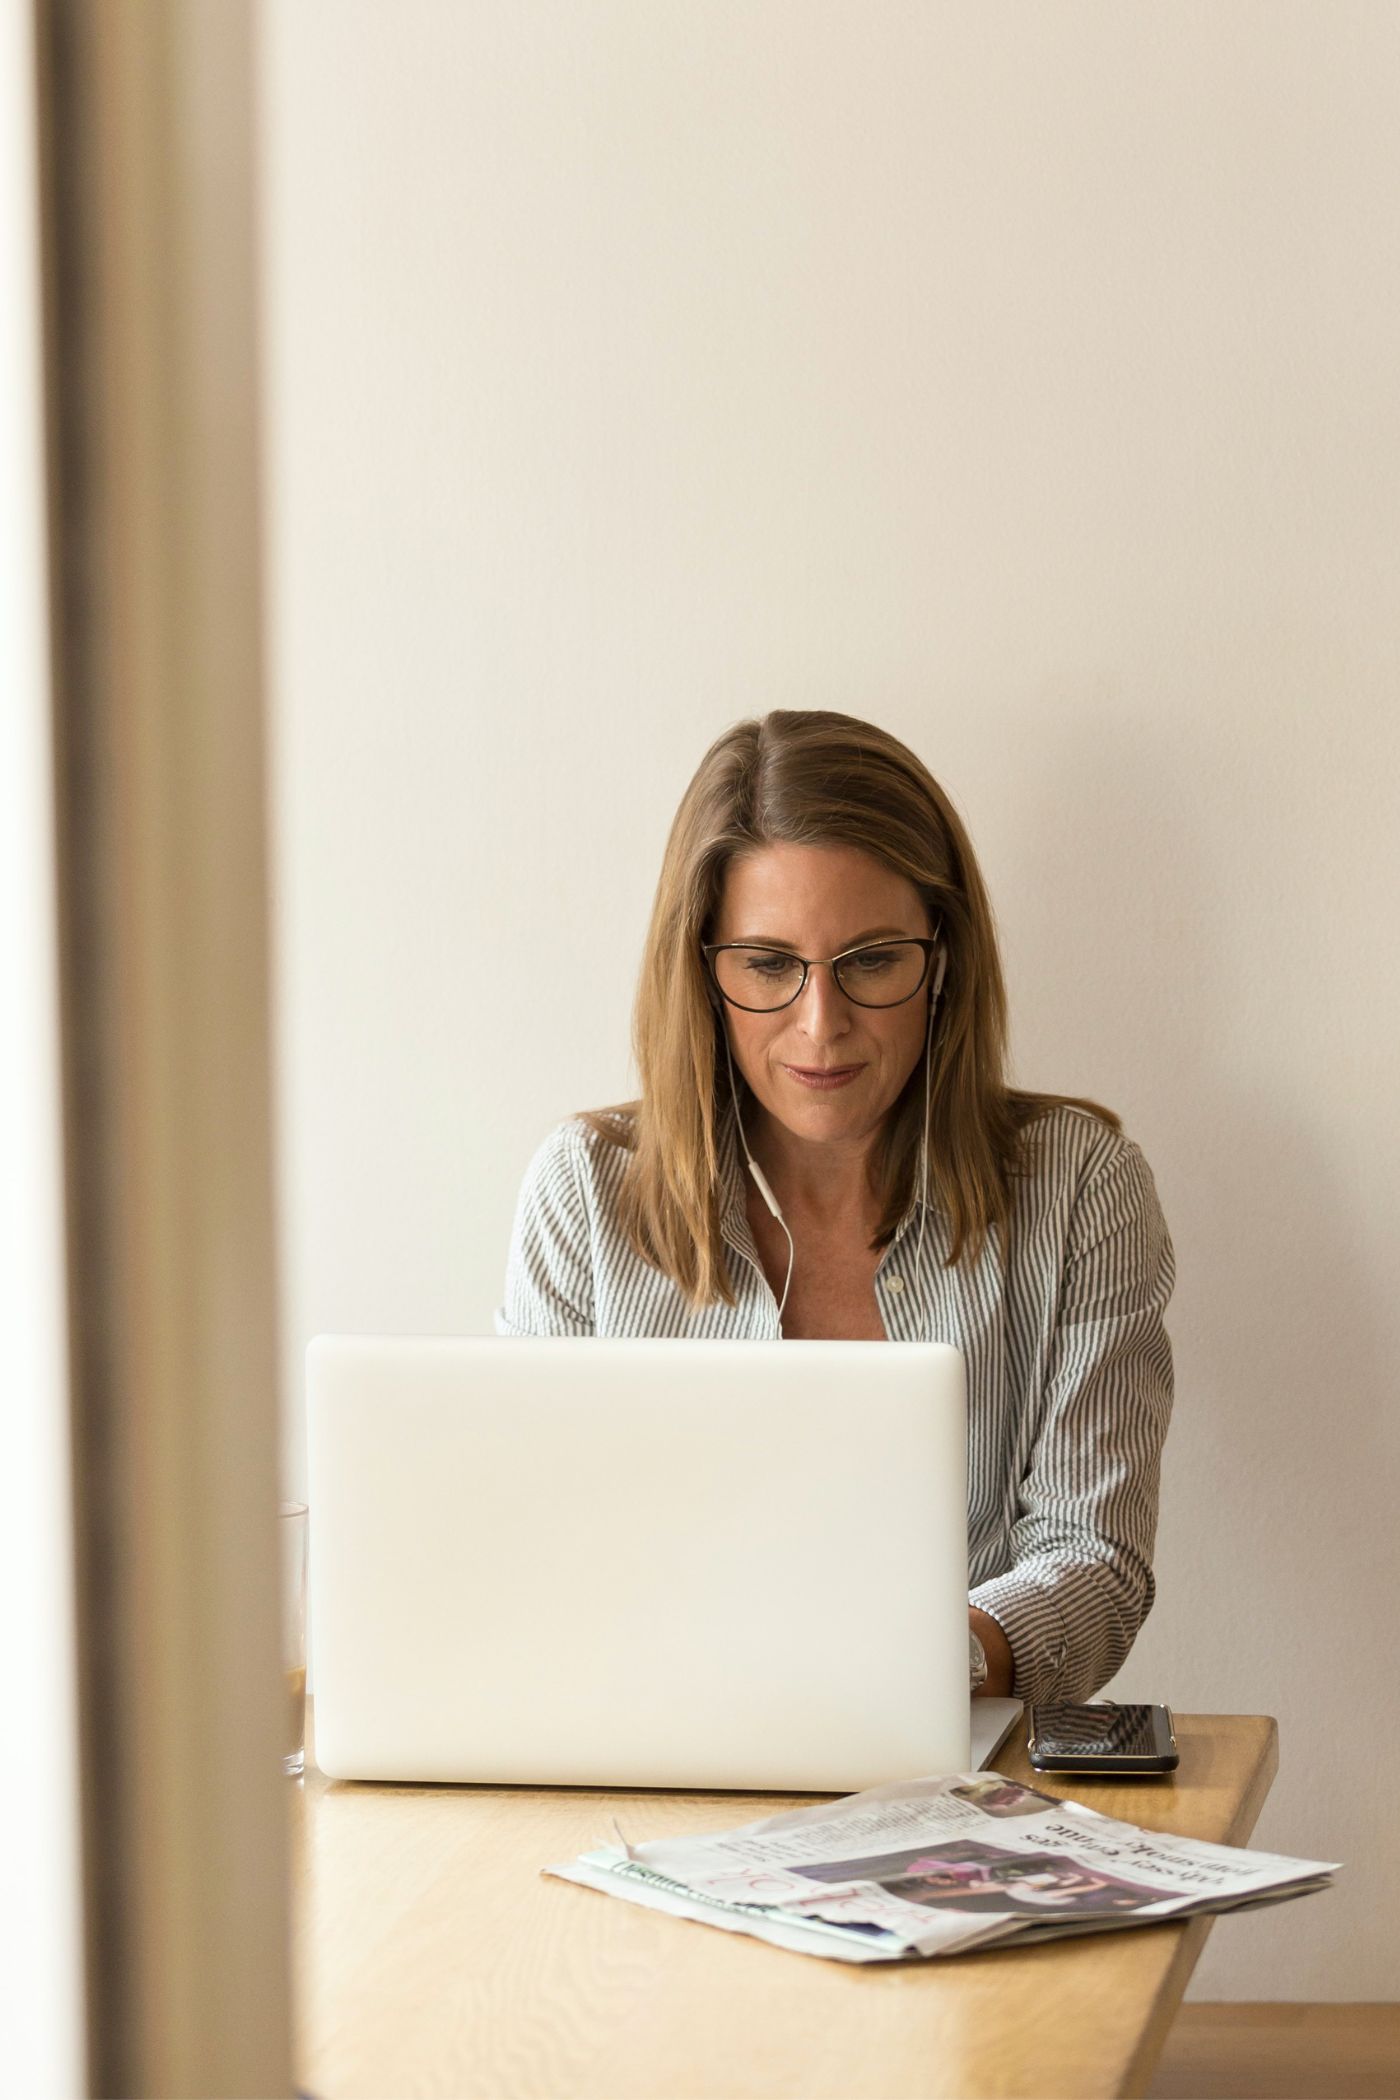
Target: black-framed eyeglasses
[(761, 980)]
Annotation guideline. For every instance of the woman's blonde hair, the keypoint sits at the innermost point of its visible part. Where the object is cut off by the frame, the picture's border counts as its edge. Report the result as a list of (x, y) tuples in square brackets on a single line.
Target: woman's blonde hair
[(813, 778)]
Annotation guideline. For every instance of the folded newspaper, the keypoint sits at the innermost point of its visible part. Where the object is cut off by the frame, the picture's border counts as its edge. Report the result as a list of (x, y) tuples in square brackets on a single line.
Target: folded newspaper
[(938, 1866)]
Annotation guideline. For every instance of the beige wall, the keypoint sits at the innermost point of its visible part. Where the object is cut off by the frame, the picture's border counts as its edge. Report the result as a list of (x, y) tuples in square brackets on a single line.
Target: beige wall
[(1022, 378)]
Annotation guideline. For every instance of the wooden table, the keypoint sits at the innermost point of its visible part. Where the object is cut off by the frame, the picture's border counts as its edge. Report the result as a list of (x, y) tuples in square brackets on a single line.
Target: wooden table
[(433, 1957)]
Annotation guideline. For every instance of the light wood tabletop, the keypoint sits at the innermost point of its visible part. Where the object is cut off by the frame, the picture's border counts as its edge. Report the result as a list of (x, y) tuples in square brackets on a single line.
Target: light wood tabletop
[(433, 1958)]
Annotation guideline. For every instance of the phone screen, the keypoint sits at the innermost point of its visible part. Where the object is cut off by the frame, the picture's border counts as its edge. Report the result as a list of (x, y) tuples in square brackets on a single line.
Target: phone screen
[(1099, 1731)]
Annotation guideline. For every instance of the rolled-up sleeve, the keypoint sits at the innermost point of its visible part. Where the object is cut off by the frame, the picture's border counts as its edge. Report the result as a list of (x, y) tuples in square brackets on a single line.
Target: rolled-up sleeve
[(1079, 1584), (549, 1268)]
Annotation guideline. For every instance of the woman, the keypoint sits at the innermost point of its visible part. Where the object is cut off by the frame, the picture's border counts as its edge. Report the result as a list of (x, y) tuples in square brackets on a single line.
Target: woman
[(826, 1146)]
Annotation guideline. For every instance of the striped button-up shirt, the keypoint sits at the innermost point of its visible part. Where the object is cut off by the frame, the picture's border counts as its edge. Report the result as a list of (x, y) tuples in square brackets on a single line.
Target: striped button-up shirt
[(1060, 1323)]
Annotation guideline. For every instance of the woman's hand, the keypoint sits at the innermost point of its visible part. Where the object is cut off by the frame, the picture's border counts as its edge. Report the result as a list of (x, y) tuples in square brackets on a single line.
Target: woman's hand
[(998, 1648)]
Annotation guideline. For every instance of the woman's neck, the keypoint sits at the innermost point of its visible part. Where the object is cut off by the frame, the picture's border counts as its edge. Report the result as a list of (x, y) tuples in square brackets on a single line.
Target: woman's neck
[(828, 1185)]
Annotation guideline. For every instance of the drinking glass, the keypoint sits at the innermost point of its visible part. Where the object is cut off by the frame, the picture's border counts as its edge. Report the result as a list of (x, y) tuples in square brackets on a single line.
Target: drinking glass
[(291, 1525)]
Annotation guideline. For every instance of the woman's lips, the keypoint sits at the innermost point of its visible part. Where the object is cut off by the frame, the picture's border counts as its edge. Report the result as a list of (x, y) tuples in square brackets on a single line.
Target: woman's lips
[(825, 1082)]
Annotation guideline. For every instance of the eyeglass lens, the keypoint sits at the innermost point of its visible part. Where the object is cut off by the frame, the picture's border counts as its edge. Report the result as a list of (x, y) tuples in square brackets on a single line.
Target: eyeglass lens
[(764, 978)]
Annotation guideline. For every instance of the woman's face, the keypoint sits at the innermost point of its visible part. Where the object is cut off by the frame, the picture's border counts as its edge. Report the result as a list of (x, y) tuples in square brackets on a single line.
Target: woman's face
[(817, 901)]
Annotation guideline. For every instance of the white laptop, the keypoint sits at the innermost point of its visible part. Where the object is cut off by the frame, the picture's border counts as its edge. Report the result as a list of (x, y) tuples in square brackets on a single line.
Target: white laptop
[(641, 1563)]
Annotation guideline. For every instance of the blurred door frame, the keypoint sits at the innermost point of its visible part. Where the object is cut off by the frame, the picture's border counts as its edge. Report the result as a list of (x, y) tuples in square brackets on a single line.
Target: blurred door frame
[(148, 244)]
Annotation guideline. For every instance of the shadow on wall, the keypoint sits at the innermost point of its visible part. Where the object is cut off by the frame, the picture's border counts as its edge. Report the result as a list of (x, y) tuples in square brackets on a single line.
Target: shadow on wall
[(1181, 984)]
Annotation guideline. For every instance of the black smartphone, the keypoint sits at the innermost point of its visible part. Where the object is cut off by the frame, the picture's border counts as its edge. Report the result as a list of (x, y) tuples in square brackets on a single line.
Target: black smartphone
[(1102, 1738)]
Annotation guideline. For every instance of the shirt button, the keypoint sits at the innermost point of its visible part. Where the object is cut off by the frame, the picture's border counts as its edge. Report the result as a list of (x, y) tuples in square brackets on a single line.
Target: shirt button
[(896, 1283)]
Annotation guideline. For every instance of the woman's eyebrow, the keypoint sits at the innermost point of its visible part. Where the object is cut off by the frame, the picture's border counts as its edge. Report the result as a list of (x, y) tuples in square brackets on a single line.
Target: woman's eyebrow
[(776, 940)]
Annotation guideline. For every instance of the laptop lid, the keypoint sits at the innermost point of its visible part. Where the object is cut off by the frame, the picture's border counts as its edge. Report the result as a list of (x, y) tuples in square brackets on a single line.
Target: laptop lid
[(638, 1562)]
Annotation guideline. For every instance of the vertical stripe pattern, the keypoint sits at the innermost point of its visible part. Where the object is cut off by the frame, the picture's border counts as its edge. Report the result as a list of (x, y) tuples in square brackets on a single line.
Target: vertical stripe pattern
[(1060, 1323)]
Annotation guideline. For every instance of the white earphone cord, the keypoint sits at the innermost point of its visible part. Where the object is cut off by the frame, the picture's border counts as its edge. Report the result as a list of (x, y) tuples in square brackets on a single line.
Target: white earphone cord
[(767, 1194)]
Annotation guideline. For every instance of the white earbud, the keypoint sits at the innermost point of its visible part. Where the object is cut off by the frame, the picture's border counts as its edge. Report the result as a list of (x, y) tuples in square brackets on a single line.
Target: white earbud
[(757, 1172), (923, 1142), (767, 1194)]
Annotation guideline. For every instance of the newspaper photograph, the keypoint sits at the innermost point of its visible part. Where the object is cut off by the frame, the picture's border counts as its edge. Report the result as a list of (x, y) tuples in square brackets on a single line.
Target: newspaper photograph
[(938, 1866)]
